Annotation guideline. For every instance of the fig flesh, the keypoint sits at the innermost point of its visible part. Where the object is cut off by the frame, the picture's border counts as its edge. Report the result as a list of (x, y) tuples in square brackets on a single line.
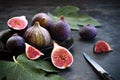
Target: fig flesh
[(60, 31), (44, 20), (88, 32), (102, 46), (18, 24), (61, 57), (31, 52), (15, 43)]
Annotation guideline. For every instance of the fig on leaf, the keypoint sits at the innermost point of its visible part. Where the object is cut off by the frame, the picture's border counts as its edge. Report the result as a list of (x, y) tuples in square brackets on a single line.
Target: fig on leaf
[(31, 52), (61, 57)]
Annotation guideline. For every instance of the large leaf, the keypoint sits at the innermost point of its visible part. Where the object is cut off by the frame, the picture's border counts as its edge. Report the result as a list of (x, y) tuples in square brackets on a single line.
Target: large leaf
[(39, 64), (24, 69), (73, 17), (66, 10)]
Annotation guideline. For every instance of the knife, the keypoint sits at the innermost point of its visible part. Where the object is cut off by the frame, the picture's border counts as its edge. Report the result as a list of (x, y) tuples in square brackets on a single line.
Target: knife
[(103, 73)]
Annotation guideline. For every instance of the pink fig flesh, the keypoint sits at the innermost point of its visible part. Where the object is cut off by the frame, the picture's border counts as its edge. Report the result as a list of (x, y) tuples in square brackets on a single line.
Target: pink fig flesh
[(101, 47), (18, 23), (61, 57), (32, 53)]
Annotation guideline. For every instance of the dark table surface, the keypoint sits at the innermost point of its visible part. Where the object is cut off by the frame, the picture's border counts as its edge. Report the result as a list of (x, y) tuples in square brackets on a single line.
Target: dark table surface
[(106, 12)]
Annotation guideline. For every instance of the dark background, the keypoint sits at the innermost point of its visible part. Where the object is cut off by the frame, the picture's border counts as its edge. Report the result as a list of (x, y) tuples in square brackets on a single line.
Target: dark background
[(107, 12)]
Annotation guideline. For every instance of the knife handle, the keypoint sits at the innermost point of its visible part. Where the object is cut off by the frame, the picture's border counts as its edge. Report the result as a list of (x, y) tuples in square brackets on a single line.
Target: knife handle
[(107, 76)]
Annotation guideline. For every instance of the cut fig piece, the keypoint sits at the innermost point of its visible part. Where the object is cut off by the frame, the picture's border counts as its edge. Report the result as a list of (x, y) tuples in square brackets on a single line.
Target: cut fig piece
[(102, 46), (18, 23), (61, 57), (31, 52)]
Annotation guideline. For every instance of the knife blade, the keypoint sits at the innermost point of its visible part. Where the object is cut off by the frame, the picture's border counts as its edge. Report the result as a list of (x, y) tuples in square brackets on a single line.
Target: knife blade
[(102, 72)]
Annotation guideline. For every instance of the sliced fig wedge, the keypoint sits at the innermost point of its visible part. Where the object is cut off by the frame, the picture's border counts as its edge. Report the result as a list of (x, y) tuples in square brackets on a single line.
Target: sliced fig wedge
[(61, 57), (31, 52), (102, 46)]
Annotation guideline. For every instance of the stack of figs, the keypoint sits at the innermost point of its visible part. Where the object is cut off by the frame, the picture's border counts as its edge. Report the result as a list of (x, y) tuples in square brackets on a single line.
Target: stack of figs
[(40, 34)]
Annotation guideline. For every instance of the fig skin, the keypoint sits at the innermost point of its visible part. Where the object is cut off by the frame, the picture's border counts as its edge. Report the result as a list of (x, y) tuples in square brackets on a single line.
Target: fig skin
[(4, 35), (15, 43), (37, 36), (88, 32), (44, 20), (60, 31)]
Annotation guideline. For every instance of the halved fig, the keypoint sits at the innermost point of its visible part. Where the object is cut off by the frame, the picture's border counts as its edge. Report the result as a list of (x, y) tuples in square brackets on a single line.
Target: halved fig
[(102, 46), (61, 57), (31, 52), (18, 23)]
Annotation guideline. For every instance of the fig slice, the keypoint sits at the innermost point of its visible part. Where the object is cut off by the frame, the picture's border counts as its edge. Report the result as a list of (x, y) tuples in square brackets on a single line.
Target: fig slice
[(61, 57), (102, 46), (31, 52)]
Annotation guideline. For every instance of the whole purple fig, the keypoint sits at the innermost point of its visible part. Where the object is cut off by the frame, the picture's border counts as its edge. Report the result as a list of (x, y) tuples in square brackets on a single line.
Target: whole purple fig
[(15, 43), (88, 32), (60, 31), (44, 20)]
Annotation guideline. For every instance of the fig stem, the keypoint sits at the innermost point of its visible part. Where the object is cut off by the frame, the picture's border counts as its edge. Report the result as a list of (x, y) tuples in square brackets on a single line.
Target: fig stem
[(15, 59), (54, 43), (37, 24), (62, 17)]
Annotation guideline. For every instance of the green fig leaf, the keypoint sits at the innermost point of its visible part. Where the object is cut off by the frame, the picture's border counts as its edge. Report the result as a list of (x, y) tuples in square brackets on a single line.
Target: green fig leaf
[(24, 69), (73, 18), (39, 64), (66, 10)]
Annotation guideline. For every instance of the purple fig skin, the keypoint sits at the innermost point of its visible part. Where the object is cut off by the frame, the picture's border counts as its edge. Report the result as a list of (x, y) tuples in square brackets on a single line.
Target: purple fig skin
[(44, 20), (61, 30), (88, 32), (15, 44)]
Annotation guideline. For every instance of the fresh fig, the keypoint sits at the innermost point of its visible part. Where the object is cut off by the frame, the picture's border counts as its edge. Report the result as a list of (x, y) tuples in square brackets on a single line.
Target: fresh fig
[(88, 32), (102, 46), (44, 20), (61, 57), (15, 43), (18, 24), (60, 31), (31, 52), (37, 36), (4, 35)]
